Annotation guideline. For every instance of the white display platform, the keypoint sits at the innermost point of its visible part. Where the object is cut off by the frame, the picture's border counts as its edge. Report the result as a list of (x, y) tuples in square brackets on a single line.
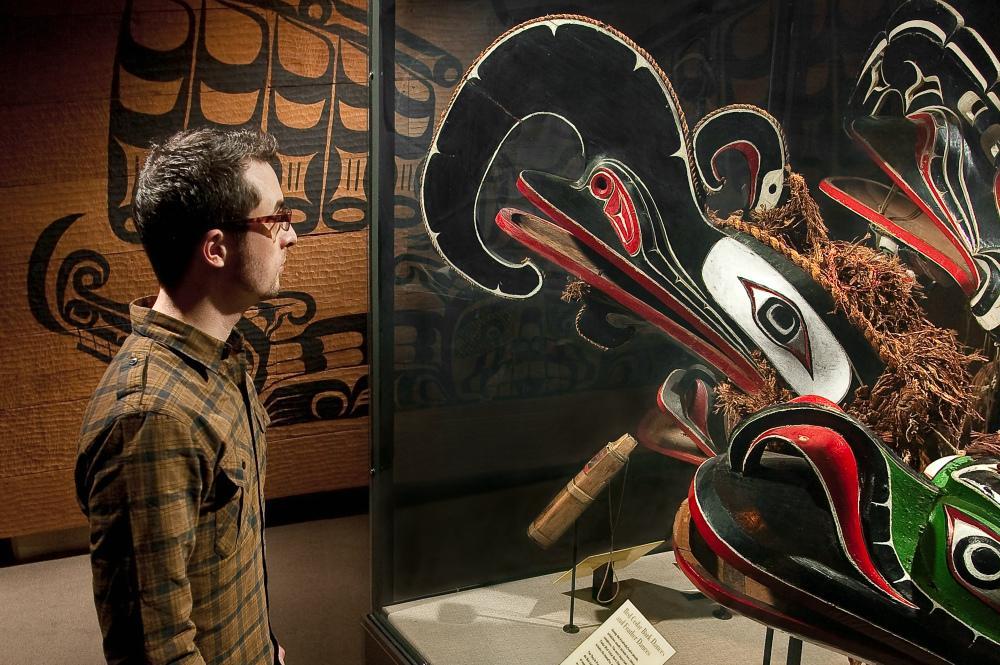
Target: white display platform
[(522, 622)]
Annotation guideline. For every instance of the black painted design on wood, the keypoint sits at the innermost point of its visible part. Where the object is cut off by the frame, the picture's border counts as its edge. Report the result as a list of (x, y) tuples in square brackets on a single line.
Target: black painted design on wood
[(322, 166), (284, 326), (99, 324)]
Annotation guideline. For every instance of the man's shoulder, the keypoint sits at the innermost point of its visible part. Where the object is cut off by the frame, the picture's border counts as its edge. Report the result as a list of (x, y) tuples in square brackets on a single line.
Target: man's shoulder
[(144, 377)]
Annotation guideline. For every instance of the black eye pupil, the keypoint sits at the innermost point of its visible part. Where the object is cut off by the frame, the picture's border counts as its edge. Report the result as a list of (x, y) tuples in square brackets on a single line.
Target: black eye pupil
[(977, 561), (601, 182), (782, 316), (780, 320), (986, 561)]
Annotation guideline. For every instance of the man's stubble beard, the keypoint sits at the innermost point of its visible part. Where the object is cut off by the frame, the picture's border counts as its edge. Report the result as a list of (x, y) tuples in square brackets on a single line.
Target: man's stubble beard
[(251, 276)]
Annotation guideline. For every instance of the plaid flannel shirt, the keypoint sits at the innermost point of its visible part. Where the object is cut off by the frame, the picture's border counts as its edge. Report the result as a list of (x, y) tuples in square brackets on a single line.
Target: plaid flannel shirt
[(170, 472)]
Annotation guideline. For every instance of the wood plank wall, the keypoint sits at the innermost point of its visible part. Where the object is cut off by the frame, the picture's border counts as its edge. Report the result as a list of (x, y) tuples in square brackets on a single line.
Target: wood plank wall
[(87, 86)]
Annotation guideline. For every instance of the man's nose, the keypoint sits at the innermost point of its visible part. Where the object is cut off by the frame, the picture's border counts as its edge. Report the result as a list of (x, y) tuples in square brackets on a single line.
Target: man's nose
[(288, 237)]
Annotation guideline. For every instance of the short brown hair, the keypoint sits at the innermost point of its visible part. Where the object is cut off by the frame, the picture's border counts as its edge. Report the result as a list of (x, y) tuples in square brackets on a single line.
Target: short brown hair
[(189, 184)]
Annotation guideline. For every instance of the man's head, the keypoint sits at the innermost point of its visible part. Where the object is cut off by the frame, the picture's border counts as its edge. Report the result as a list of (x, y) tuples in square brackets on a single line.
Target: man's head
[(192, 200)]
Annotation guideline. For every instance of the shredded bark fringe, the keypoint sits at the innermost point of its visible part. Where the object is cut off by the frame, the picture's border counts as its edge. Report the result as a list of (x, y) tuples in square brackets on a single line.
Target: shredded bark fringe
[(575, 290), (924, 405), (736, 404), (984, 445)]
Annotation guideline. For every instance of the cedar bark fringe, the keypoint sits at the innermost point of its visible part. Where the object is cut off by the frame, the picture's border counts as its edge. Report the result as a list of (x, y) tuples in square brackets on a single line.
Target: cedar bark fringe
[(575, 290), (924, 404), (984, 445), (736, 404)]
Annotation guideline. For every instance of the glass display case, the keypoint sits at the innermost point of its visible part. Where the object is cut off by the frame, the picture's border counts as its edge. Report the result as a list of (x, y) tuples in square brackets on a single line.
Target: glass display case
[(488, 397)]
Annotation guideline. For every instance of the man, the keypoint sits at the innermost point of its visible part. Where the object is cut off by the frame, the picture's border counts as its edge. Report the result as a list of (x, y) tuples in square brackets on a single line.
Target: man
[(171, 459)]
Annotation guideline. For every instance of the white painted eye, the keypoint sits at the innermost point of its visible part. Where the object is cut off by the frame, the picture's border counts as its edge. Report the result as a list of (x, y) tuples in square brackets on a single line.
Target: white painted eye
[(974, 556), (778, 319), (979, 560), (770, 189)]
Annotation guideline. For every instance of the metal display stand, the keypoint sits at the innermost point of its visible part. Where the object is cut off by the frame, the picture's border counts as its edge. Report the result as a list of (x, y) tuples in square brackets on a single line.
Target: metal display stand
[(794, 648), (571, 627)]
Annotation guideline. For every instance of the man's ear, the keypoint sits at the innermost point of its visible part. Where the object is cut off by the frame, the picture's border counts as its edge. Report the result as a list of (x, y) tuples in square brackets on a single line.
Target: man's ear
[(213, 250)]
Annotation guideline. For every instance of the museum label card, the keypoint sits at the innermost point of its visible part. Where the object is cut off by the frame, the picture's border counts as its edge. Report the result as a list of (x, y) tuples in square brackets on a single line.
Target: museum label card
[(626, 638)]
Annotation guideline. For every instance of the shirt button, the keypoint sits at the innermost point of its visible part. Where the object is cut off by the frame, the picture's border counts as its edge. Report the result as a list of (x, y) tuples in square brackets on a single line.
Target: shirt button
[(133, 361), (244, 464)]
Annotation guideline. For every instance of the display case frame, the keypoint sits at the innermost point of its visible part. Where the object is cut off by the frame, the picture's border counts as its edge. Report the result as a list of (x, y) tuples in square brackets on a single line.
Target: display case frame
[(385, 640), (383, 644)]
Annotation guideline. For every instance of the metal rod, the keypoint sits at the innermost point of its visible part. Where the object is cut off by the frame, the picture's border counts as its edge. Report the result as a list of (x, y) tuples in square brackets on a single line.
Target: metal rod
[(571, 627), (794, 651), (885, 203), (768, 644)]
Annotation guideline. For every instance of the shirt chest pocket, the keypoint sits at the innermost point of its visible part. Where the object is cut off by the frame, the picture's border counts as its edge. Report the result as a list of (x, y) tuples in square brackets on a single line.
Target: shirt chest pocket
[(231, 514)]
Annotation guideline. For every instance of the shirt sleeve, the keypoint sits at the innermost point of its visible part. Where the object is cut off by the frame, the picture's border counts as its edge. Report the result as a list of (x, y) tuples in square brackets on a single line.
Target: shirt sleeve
[(163, 472)]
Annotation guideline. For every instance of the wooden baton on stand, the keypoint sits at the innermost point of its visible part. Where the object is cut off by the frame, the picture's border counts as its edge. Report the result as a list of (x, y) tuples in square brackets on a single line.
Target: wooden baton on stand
[(580, 492)]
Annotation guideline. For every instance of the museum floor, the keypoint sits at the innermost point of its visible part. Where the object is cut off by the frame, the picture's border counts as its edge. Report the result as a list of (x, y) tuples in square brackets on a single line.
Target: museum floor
[(319, 581)]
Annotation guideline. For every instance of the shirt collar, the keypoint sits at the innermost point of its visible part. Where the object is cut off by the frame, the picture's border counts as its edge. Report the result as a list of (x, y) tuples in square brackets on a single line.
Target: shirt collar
[(185, 339)]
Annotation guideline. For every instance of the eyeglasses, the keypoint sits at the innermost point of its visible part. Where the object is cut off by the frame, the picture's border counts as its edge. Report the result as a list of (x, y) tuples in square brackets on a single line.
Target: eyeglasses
[(282, 218)]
